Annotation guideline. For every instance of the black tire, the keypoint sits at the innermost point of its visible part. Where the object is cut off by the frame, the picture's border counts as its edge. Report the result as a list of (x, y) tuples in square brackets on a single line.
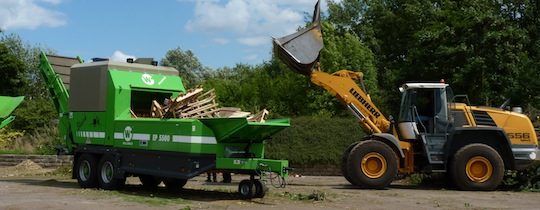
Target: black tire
[(149, 181), (260, 188), (107, 176), (174, 184), (344, 169), (86, 171), (477, 167), (372, 164), (247, 189)]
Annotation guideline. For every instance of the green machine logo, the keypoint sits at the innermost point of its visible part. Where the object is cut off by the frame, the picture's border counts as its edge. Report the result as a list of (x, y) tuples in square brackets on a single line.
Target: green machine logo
[(147, 79), (128, 135)]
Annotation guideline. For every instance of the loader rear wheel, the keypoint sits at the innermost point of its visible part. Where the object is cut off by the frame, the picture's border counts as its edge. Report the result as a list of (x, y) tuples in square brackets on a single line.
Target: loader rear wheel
[(106, 176), (477, 167), (372, 164), (344, 169), (86, 171)]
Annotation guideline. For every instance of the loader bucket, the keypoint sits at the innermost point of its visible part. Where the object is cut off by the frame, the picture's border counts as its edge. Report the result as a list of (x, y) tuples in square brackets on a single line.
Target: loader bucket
[(300, 50)]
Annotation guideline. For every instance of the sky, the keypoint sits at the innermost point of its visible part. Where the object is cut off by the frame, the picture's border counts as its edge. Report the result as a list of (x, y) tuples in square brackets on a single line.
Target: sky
[(219, 32)]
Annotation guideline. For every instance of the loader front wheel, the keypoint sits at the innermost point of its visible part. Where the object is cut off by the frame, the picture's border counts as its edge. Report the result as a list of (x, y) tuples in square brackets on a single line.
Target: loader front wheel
[(372, 164), (86, 171), (477, 167), (344, 169), (108, 180)]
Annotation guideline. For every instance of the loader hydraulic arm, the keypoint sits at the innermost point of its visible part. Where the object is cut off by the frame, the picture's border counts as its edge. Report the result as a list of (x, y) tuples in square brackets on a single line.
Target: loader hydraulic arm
[(342, 85), (300, 51)]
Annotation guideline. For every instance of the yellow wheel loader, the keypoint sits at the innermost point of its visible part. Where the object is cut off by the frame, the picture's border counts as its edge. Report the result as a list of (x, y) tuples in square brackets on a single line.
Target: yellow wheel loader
[(433, 132)]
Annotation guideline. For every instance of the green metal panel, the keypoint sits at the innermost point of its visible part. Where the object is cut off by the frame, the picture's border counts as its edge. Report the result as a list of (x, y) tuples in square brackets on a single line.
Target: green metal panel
[(89, 128), (236, 130), (253, 164), (8, 104), (177, 135)]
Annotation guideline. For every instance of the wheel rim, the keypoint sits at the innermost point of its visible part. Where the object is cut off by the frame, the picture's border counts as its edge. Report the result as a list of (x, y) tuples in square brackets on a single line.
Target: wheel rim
[(373, 165), (107, 172), (244, 190), (479, 169), (84, 171)]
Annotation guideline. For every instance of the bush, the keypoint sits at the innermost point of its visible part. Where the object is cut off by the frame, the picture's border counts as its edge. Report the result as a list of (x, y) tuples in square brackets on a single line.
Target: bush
[(41, 140), (33, 113), (8, 136), (314, 140)]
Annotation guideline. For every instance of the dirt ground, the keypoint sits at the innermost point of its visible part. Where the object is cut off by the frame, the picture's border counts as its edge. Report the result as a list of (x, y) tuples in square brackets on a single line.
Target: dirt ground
[(29, 187)]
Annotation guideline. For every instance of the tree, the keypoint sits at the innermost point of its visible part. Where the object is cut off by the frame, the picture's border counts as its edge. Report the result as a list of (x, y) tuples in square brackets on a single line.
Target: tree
[(12, 73), (188, 65), (479, 47), (28, 54)]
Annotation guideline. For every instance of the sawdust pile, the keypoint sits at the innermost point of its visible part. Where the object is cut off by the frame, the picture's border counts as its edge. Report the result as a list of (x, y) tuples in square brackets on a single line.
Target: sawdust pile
[(26, 167)]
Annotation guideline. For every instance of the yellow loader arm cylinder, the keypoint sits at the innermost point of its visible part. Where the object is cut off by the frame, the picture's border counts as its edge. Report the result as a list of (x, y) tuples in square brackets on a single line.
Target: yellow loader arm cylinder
[(342, 85), (300, 52)]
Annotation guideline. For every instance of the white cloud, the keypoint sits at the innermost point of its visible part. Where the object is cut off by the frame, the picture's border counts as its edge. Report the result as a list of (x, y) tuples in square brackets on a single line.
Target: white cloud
[(52, 1), (254, 41), (221, 41), (120, 56), (27, 14), (251, 57), (249, 18), (211, 16)]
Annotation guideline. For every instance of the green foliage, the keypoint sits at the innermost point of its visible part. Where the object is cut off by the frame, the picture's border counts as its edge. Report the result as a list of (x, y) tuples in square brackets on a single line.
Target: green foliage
[(45, 139), (29, 55), (34, 113), (12, 73), (527, 180), (314, 140), (486, 49), (8, 136), (188, 65), (42, 140)]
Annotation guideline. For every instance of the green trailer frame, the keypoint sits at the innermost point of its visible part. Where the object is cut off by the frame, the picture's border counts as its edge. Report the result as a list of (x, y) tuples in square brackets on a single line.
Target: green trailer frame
[(103, 117)]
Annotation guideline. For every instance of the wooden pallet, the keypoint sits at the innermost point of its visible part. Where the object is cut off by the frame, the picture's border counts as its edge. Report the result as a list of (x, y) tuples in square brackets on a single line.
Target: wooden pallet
[(196, 103)]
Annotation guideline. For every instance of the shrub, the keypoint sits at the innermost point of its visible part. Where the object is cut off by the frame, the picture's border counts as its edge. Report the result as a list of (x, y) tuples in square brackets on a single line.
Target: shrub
[(314, 140)]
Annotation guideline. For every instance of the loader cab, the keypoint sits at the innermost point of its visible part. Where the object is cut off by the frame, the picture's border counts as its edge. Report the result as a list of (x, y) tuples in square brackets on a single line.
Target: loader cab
[(425, 121), (424, 109)]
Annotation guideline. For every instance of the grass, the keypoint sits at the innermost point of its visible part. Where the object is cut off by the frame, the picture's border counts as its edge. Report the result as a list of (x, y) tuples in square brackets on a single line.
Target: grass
[(17, 152), (315, 196), (146, 197)]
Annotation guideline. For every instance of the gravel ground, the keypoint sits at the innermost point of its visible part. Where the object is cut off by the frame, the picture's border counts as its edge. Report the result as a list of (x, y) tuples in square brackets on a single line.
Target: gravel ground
[(30, 187)]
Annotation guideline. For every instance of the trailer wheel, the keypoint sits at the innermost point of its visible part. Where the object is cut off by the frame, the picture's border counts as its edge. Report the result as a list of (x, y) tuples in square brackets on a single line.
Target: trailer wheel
[(344, 169), (174, 184), (86, 171), (247, 189), (260, 188), (149, 181), (106, 176), (477, 167), (372, 164)]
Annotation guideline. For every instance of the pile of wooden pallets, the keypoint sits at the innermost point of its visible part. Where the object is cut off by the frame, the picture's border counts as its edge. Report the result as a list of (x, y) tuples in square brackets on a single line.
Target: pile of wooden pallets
[(196, 103)]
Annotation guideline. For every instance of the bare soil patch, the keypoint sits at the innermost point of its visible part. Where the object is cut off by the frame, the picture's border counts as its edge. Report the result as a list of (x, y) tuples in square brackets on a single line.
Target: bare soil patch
[(19, 189)]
